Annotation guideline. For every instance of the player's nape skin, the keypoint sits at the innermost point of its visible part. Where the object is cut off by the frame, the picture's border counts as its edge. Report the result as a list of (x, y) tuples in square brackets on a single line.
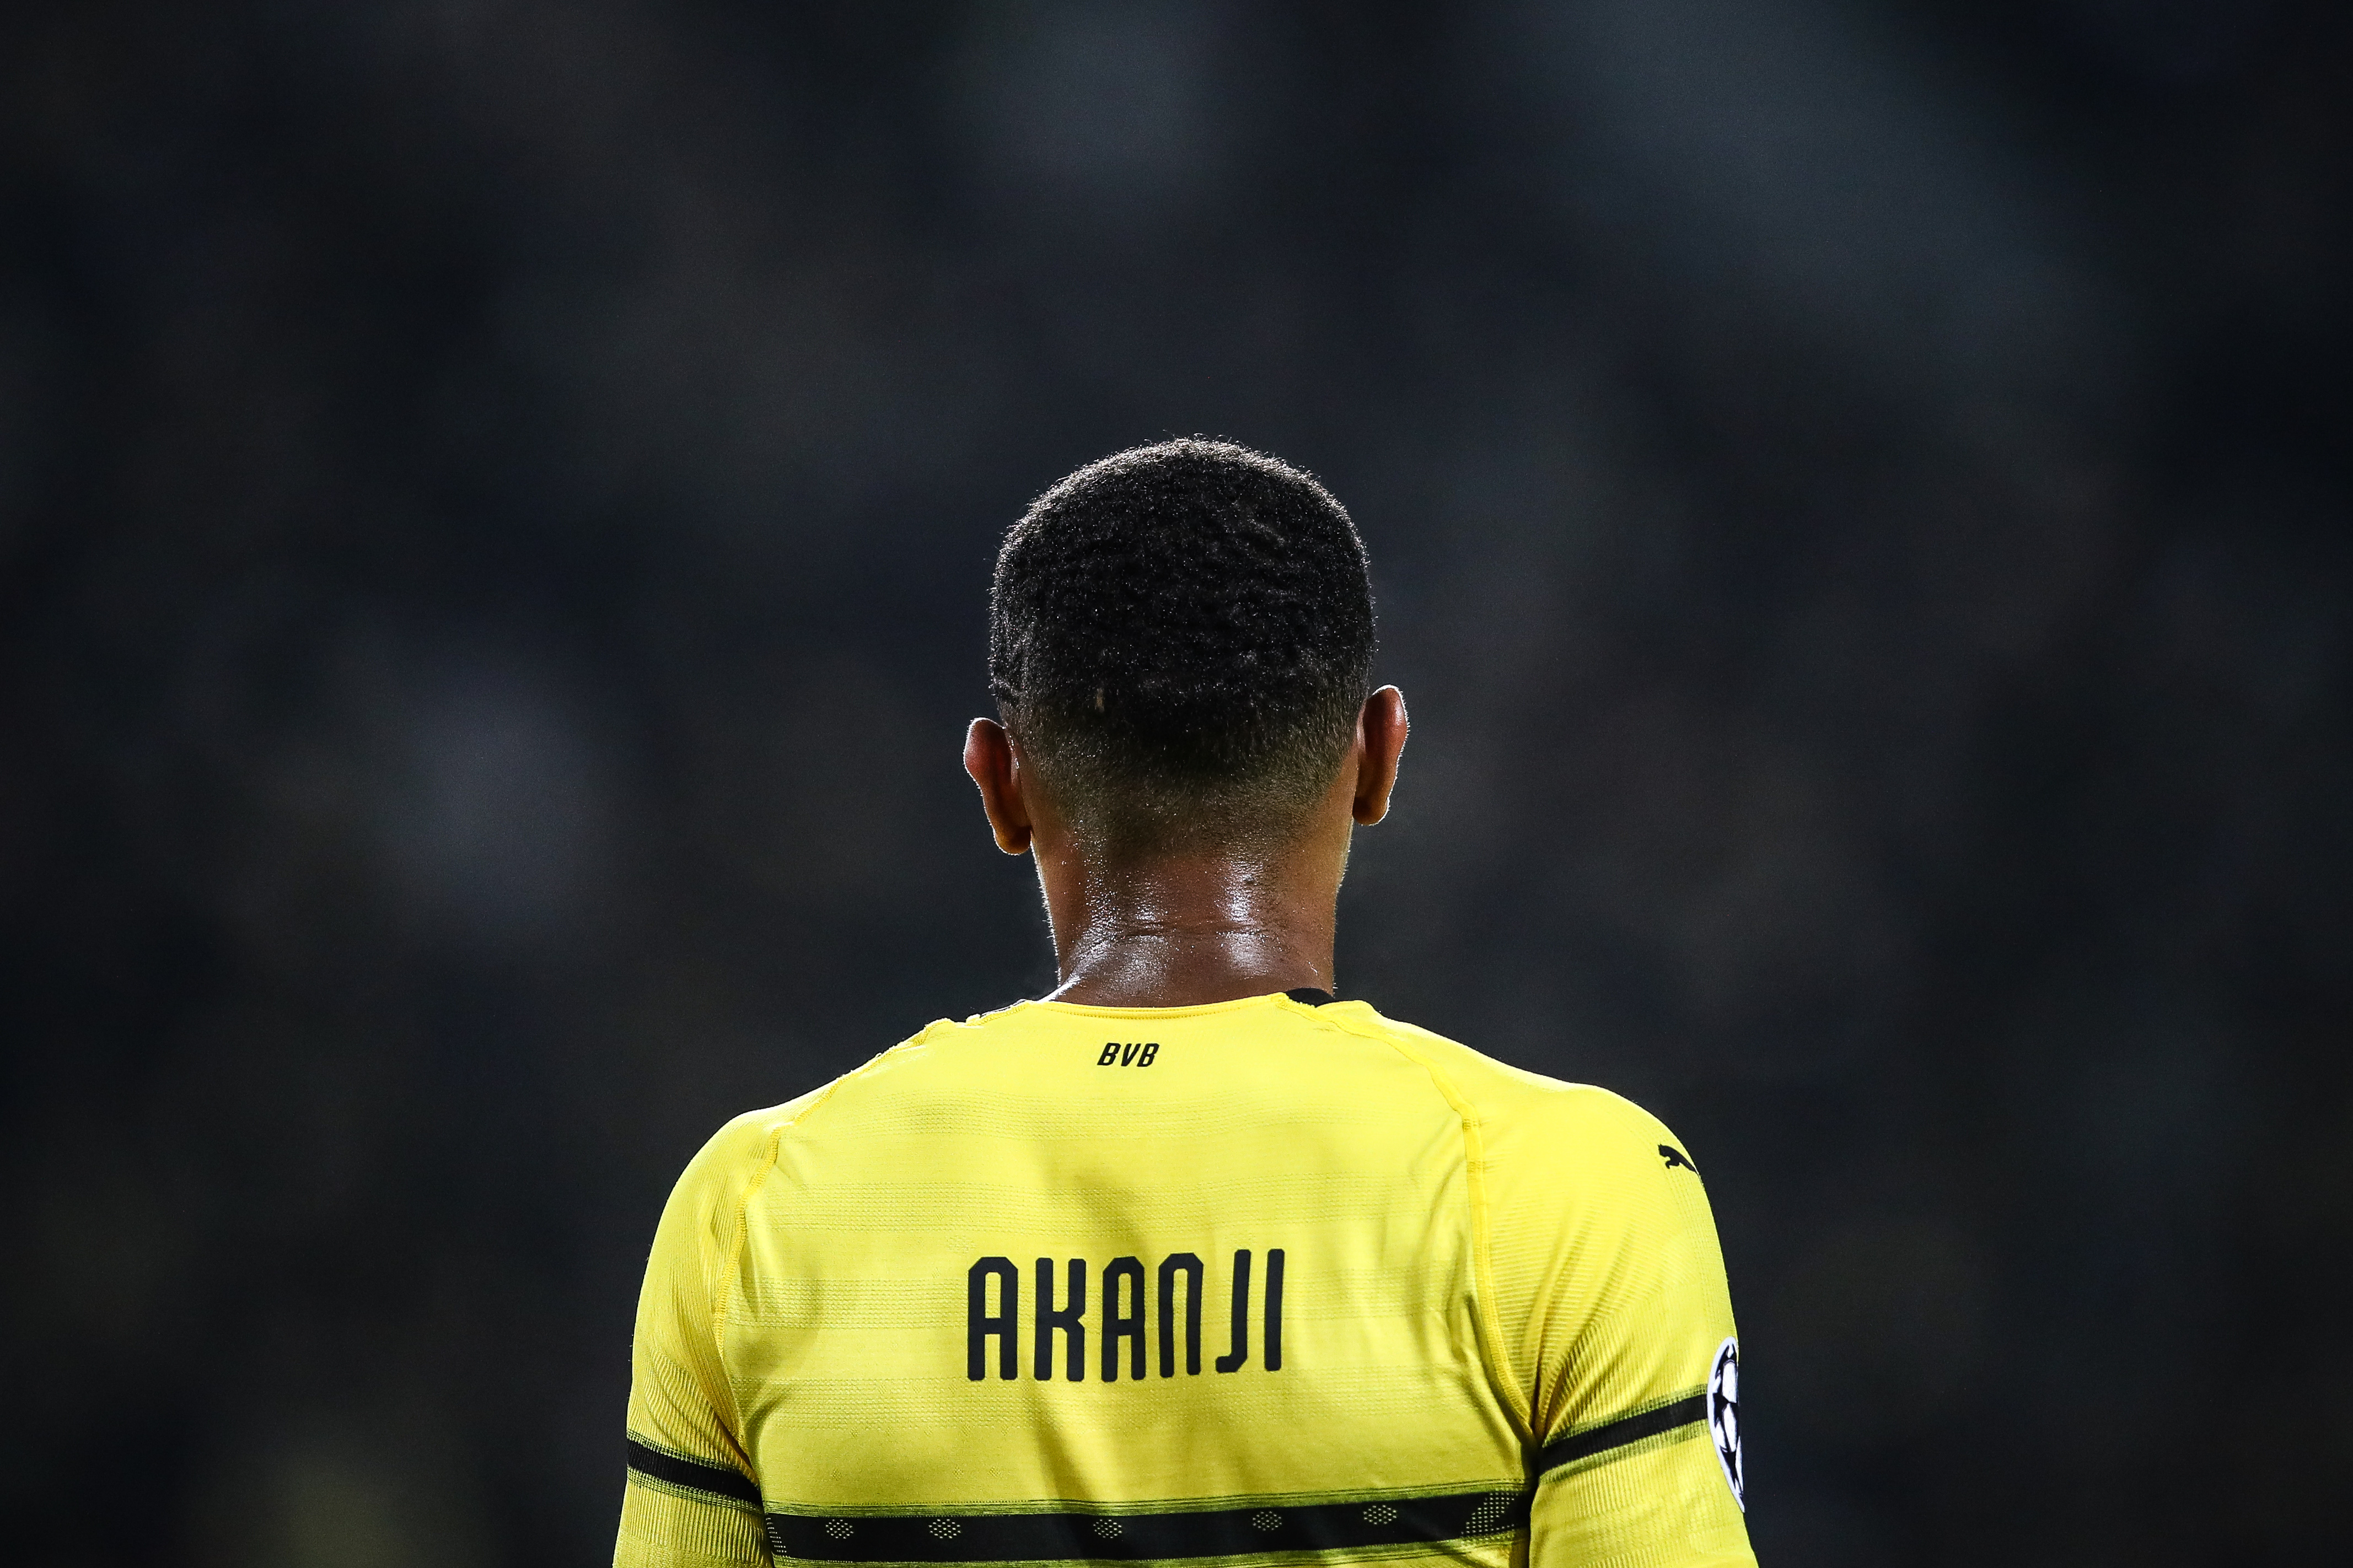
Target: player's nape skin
[(1189, 1262), (1205, 923)]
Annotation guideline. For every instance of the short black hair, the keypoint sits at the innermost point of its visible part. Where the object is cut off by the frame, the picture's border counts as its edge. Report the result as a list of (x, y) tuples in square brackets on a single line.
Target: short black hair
[(1180, 639)]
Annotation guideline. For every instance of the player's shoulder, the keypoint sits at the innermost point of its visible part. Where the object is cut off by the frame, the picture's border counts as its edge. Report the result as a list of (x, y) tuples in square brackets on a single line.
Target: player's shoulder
[(1582, 1122), (746, 1144), (733, 1159)]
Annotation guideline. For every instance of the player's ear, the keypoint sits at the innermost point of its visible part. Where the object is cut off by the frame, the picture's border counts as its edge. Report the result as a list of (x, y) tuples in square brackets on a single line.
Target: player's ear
[(1381, 740), (989, 758)]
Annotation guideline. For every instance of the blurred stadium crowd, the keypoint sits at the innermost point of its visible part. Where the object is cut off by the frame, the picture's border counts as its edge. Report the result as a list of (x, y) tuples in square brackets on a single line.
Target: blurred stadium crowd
[(496, 502)]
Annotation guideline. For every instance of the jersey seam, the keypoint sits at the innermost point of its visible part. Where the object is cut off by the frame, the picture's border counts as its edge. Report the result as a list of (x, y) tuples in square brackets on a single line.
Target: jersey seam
[(721, 1299), (742, 1227), (1499, 1366)]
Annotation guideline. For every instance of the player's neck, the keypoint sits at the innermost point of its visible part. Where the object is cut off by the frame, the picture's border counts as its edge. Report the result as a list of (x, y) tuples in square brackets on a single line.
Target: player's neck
[(1188, 929), (1183, 932)]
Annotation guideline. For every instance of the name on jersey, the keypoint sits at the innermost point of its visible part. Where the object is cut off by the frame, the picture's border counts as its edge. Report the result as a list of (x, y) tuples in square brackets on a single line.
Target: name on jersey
[(1161, 1305), (1132, 1054)]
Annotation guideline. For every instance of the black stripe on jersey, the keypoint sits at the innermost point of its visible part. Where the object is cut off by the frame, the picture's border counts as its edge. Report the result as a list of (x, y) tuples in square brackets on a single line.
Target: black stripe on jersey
[(1308, 997), (949, 1537), (1624, 1430), (718, 1480)]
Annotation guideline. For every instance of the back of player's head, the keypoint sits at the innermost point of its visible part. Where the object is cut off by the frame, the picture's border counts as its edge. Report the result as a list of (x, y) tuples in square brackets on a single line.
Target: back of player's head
[(1180, 638)]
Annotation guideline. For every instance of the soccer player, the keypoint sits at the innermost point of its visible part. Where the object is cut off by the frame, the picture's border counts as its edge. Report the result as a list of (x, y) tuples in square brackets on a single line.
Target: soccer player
[(1188, 1260)]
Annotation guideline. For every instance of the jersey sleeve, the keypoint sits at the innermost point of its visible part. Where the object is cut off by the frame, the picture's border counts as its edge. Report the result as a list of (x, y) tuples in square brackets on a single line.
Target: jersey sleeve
[(691, 1501), (1613, 1306)]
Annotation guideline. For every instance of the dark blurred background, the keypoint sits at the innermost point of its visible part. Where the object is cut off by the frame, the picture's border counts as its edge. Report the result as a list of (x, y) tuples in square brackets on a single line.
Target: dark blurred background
[(497, 504)]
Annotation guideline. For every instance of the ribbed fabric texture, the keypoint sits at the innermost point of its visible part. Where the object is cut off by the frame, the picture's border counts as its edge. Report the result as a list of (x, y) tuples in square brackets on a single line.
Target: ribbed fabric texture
[(678, 1531)]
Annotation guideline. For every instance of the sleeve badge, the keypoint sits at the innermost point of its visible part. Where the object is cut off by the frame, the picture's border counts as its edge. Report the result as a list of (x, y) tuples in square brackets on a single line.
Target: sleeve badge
[(1724, 1416)]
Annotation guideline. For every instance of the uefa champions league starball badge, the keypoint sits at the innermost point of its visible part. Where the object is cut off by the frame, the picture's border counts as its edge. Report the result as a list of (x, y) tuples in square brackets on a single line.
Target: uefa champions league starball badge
[(1724, 1416)]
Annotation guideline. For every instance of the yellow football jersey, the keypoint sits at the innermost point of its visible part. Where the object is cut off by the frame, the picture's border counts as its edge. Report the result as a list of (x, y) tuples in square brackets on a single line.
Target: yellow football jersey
[(1265, 1281)]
